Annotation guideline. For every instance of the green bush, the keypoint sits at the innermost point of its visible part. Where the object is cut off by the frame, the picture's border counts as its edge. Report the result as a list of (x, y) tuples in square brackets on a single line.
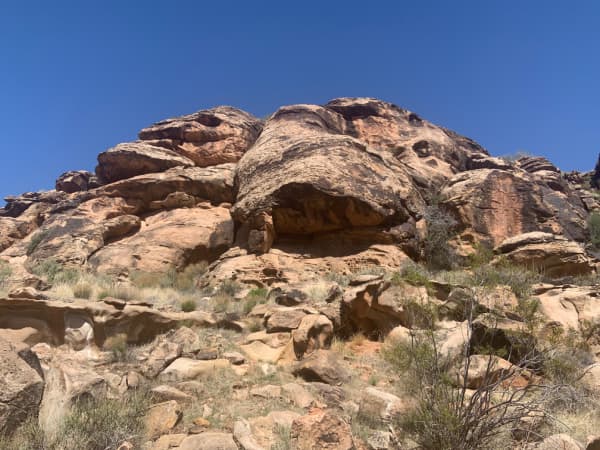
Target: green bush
[(438, 253), (254, 297), (54, 272), (92, 424), (518, 278), (482, 255), (594, 228), (35, 241), (188, 305), (447, 415), (413, 274)]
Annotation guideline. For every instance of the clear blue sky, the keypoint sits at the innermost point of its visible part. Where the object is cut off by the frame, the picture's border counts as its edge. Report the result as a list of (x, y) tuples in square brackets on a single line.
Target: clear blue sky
[(78, 77)]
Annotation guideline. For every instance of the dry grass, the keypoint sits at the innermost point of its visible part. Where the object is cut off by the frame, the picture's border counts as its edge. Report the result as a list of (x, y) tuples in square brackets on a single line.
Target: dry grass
[(92, 424), (228, 397)]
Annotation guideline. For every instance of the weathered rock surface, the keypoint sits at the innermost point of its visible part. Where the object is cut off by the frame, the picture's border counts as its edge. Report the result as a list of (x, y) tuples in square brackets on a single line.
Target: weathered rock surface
[(208, 137), (161, 418), (555, 256), (382, 405), (169, 239), (304, 172), (47, 321), (314, 332), (492, 205), (212, 184), (208, 441), (430, 154), (321, 430), (559, 442), (76, 181), (322, 366), (136, 158), (21, 388), (187, 369)]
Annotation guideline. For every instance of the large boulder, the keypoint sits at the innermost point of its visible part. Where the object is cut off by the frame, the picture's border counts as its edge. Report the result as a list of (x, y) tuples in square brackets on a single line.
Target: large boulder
[(21, 387), (321, 430), (491, 205), (430, 154), (76, 181), (136, 158), (12, 230), (208, 137), (54, 321), (213, 184), (322, 366), (554, 255), (304, 176), (169, 239)]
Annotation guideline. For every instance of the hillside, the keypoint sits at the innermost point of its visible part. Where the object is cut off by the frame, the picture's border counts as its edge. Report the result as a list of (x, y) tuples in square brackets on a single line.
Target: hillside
[(345, 276)]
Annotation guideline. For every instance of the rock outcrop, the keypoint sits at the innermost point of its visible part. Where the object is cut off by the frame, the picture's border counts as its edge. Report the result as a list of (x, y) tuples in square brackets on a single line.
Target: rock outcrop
[(555, 256), (208, 137), (21, 387), (136, 158), (268, 270), (76, 181)]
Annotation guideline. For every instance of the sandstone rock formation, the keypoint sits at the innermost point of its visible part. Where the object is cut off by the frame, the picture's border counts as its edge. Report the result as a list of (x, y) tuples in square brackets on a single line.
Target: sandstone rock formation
[(208, 137), (21, 387), (136, 158), (76, 181), (295, 246)]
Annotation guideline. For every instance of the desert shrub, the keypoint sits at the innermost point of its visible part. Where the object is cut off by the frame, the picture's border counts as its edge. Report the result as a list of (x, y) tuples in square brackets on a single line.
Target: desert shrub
[(449, 416), (28, 436), (413, 274), (518, 278), (35, 241), (254, 297), (283, 439), (118, 345), (594, 228), (438, 253), (482, 255), (337, 277), (120, 291), (179, 280), (188, 305), (229, 287), (82, 290), (92, 424), (5, 272), (99, 424), (55, 272), (222, 303)]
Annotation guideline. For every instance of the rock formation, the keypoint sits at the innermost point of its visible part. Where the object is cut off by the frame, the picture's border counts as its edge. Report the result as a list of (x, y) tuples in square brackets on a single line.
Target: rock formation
[(225, 262)]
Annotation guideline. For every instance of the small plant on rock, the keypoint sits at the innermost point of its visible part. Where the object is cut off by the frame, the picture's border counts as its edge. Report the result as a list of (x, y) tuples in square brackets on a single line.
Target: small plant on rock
[(594, 228), (188, 305), (35, 241)]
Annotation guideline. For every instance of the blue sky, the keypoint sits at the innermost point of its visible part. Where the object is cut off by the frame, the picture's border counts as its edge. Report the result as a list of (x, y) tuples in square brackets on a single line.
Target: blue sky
[(78, 77)]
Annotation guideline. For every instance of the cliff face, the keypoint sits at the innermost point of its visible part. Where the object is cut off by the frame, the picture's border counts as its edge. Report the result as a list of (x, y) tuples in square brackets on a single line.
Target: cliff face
[(218, 231), (351, 178)]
